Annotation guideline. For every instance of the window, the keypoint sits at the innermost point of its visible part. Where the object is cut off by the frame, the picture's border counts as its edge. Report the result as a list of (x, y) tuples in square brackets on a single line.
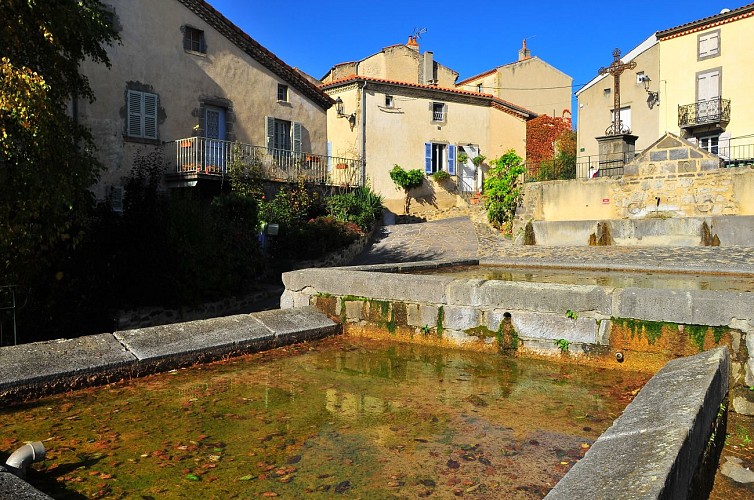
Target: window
[(283, 135), (640, 76), (479, 88), (282, 92), (439, 157), (438, 112), (708, 44), (710, 143), (625, 119), (142, 114), (193, 40), (389, 101), (115, 196)]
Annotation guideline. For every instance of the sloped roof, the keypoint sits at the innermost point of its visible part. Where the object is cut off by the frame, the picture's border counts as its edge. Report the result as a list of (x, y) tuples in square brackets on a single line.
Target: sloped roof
[(254, 49), (630, 55), (488, 98), (497, 68), (708, 22)]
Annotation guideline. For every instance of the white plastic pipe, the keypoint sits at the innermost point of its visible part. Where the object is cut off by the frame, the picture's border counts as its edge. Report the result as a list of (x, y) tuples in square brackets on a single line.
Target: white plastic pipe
[(25, 455)]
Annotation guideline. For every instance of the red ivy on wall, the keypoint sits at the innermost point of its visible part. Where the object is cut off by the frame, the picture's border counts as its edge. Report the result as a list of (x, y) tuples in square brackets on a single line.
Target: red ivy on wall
[(542, 133)]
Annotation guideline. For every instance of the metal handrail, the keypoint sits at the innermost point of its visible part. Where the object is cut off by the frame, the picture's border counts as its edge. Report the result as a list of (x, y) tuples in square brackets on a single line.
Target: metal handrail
[(202, 155), (715, 110)]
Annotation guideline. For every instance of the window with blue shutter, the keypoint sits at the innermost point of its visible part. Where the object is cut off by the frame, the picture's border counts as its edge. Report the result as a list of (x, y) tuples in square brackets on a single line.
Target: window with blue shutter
[(452, 159), (141, 118), (428, 158)]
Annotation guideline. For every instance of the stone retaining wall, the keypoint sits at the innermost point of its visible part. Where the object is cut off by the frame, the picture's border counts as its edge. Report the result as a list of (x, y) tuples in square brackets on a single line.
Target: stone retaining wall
[(666, 444)]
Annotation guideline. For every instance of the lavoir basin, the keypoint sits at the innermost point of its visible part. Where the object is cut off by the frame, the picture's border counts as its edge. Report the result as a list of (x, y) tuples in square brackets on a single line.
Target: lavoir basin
[(342, 416)]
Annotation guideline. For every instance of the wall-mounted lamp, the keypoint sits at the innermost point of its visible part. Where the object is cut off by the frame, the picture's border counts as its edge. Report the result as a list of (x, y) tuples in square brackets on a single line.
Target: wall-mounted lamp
[(652, 97), (339, 108)]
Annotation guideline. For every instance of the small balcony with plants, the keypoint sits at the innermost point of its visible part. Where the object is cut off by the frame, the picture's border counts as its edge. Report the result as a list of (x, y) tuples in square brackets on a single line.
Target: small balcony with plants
[(202, 158)]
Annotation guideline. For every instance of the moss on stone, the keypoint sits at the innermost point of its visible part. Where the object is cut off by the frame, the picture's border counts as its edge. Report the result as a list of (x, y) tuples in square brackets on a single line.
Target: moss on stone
[(440, 318)]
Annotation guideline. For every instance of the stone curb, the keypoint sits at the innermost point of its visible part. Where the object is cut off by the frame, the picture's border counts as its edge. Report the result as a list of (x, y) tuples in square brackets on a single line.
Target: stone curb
[(655, 449), (41, 368)]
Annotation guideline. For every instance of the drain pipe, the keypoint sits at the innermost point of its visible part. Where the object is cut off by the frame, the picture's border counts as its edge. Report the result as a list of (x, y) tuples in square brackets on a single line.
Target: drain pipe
[(23, 457)]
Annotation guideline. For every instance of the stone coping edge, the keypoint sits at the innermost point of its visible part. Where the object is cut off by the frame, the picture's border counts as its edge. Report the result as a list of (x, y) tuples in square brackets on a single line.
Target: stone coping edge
[(656, 448), (30, 371)]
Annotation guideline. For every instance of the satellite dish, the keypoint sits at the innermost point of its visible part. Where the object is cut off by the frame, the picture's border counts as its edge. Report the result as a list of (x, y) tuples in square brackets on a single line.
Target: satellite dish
[(724, 11)]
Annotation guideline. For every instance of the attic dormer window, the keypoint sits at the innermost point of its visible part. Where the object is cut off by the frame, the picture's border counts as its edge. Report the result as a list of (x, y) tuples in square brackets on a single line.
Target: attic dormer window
[(193, 40)]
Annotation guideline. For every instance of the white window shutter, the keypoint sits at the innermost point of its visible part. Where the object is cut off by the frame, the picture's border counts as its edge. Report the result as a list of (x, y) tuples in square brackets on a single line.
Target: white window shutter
[(713, 44), (428, 158), (296, 137), (270, 131), (150, 116), (452, 159), (134, 126), (329, 156)]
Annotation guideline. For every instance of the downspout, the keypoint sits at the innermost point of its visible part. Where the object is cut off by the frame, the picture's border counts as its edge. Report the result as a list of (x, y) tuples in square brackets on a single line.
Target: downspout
[(23, 457), (364, 134)]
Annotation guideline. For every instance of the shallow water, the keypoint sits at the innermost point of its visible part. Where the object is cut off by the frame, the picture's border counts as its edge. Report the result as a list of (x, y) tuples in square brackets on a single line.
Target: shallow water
[(344, 416), (620, 279)]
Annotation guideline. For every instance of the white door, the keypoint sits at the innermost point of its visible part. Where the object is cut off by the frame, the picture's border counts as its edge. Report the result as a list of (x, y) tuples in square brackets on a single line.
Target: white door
[(467, 168)]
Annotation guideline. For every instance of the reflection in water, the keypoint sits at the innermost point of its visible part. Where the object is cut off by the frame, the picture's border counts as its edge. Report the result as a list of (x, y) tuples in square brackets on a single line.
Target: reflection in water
[(619, 279), (340, 416)]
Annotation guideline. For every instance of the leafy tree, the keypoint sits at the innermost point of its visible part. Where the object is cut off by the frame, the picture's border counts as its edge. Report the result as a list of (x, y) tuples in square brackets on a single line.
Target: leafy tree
[(47, 164), (502, 189), (407, 180)]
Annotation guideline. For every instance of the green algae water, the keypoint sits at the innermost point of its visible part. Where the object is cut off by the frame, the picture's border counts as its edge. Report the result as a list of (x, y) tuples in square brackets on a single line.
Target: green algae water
[(344, 417)]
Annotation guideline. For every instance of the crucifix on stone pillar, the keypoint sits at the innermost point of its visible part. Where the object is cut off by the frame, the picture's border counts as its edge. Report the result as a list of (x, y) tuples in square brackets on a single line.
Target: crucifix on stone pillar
[(615, 69)]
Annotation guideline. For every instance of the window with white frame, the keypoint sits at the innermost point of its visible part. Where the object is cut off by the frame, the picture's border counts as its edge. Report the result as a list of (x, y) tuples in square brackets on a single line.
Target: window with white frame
[(708, 44), (193, 40), (438, 112), (479, 88), (142, 114), (439, 156), (625, 119), (710, 143), (282, 92)]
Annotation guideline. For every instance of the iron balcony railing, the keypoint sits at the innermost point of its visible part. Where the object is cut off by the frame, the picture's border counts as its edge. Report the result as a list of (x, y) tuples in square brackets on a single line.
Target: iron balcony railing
[(587, 167), (710, 111), (212, 157)]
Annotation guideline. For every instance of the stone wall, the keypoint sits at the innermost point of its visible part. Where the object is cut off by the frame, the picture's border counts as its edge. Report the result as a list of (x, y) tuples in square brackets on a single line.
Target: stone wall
[(671, 179)]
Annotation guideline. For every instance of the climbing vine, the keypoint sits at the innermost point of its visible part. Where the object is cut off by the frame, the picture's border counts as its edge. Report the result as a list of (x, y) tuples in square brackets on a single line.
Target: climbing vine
[(503, 190)]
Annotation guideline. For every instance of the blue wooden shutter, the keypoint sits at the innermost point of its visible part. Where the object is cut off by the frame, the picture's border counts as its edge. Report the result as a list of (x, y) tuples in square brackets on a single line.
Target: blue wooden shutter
[(134, 114), (296, 137), (150, 116), (270, 131), (452, 159), (428, 158)]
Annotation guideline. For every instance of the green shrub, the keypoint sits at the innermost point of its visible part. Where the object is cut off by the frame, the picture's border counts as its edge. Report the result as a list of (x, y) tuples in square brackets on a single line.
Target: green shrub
[(441, 176), (502, 190), (407, 180), (314, 238), (362, 207)]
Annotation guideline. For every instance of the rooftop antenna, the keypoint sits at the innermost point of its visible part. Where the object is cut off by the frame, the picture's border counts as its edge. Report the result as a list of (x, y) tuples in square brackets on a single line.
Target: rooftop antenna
[(418, 32)]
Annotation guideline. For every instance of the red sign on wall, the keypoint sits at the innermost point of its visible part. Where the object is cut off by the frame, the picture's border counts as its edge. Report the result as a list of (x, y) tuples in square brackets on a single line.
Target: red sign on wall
[(605, 201)]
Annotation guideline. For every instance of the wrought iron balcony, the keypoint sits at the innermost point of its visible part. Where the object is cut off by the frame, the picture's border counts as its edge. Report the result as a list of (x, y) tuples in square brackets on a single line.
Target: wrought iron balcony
[(710, 112)]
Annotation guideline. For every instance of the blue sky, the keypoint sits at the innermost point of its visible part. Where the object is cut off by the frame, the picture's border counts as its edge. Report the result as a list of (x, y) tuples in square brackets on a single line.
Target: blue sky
[(575, 37)]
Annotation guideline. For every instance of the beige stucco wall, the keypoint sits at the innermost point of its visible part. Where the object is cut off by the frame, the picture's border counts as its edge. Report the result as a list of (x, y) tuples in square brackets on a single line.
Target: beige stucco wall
[(397, 136), (398, 63), (514, 83), (680, 66), (151, 53), (595, 105)]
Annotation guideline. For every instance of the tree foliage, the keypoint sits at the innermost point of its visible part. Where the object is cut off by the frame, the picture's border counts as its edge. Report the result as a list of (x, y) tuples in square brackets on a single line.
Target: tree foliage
[(47, 163), (548, 148), (407, 180), (502, 189)]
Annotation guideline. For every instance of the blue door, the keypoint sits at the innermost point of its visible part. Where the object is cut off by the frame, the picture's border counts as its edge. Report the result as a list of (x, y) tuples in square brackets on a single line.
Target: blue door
[(216, 149)]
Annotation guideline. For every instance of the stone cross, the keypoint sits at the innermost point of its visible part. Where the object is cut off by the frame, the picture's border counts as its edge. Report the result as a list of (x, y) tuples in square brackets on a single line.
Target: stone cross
[(615, 69)]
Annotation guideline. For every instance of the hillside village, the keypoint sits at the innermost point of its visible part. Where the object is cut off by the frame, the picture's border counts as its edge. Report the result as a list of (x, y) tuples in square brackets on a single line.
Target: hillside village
[(206, 200)]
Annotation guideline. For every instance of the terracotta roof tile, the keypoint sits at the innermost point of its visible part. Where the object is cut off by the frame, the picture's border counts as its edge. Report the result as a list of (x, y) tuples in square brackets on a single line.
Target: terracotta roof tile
[(489, 97), (707, 22)]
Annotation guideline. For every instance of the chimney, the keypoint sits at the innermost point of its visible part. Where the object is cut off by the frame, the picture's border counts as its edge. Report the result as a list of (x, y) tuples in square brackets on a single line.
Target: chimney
[(412, 43), (429, 68), (524, 53)]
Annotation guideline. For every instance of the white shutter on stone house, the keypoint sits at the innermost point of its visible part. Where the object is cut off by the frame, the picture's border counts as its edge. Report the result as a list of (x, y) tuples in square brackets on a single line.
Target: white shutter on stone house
[(452, 159), (269, 130), (150, 116), (296, 132), (134, 114)]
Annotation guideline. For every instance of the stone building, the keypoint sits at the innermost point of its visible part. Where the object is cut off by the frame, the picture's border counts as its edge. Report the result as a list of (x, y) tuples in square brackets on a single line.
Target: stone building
[(186, 79), (400, 106), (529, 82)]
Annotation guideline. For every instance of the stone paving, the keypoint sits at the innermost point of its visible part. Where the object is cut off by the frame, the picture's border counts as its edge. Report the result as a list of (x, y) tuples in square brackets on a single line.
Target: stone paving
[(470, 237)]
